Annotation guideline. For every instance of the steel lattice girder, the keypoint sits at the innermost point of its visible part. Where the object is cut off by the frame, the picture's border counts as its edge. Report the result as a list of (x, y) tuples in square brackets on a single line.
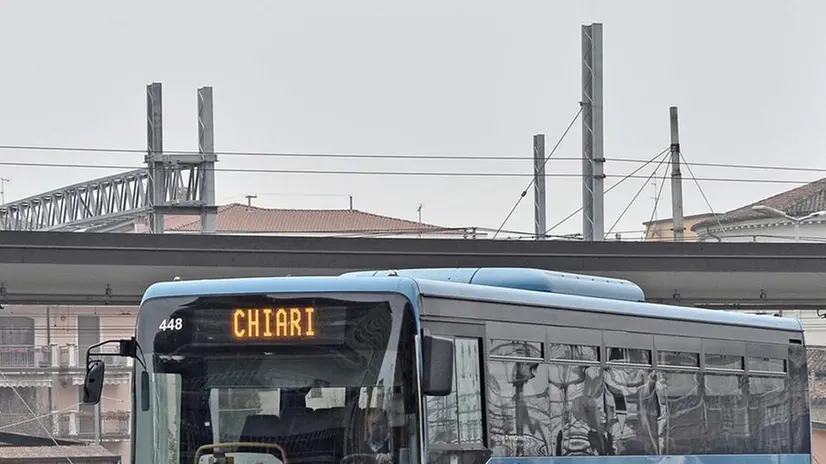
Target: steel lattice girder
[(92, 203), (107, 200)]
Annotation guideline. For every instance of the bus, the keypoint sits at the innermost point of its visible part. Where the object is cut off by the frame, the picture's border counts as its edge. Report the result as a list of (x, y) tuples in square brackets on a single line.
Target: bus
[(455, 366)]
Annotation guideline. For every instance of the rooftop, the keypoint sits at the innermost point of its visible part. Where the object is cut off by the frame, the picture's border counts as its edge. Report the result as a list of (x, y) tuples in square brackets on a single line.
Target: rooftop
[(807, 199), (85, 453), (690, 217), (243, 219)]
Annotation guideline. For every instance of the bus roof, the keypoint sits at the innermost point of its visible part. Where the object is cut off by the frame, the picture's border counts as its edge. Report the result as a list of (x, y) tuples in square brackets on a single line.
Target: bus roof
[(604, 306), (263, 285), (412, 288), (540, 280)]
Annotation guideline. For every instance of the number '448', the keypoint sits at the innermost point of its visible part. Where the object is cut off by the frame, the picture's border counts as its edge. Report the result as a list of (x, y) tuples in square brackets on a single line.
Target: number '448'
[(173, 323)]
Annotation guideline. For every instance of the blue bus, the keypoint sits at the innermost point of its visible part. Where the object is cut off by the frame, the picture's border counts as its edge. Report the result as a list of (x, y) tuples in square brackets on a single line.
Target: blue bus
[(482, 365)]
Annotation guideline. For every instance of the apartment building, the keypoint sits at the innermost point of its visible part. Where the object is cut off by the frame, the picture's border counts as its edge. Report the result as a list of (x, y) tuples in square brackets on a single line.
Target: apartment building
[(42, 359)]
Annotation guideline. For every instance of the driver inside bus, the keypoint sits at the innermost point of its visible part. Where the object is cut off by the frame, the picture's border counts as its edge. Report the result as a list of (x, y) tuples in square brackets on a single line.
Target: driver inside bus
[(378, 437)]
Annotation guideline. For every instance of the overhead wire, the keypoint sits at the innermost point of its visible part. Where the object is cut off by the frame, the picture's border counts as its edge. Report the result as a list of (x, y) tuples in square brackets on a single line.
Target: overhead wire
[(700, 188), (36, 417), (408, 173), (630, 203), (658, 196), (632, 175), (41, 416), (617, 184), (541, 169), (393, 156)]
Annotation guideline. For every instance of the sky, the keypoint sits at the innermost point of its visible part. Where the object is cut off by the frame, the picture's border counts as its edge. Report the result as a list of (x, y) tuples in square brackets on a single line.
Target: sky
[(427, 77)]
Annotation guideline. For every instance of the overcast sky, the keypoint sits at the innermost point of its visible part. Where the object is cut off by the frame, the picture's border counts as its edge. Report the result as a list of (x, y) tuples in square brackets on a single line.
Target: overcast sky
[(431, 77)]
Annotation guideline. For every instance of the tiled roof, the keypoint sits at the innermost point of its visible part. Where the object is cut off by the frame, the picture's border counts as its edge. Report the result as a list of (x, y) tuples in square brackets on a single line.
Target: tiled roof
[(239, 218), (801, 201), (55, 452)]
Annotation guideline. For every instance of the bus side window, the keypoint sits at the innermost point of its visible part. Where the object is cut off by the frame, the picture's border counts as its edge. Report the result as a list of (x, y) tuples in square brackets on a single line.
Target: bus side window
[(456, 419)]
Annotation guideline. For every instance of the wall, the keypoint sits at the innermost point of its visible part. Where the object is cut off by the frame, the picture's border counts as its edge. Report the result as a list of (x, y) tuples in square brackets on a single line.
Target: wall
[(818, 446), (663, 230), (769, 229)]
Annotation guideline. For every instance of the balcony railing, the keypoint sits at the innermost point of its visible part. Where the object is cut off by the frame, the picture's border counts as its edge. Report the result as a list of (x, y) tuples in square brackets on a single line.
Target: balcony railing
[(22, 356), (78, 425), (114, 425), (24, 423), (42, 357)]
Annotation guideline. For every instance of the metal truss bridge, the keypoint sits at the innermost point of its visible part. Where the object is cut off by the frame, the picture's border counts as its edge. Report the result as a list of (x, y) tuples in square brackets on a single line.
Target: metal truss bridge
[(170, 184)]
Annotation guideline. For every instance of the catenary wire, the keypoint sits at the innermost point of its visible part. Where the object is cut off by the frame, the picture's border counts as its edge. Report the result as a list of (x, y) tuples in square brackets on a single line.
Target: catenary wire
[(632, 175), (700, 188), (658, 196), (617, 184), (630, 203), (541, 169), (395, 156)]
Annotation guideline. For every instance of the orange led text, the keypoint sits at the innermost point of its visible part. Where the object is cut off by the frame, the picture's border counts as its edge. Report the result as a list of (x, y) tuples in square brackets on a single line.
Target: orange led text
[(263, 323)]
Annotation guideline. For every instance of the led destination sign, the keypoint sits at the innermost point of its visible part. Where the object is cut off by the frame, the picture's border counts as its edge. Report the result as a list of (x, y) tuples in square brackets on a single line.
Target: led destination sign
[(274, 323), (262, 324)]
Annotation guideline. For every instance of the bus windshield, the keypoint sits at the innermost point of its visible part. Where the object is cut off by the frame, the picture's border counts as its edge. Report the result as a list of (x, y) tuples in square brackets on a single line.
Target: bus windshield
[(267, 379)]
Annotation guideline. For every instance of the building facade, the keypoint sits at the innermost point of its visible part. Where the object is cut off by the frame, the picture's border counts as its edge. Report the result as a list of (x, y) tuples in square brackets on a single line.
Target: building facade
[(663, 230), (756, 222), (42, 366)]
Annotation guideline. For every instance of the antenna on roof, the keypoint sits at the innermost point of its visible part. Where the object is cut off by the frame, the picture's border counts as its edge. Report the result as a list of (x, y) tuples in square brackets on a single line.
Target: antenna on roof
[(3, 182), (249, 200), (419, 210)]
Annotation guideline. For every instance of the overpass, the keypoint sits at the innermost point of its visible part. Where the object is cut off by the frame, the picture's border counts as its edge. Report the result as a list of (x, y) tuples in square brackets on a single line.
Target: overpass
[(103, 268)]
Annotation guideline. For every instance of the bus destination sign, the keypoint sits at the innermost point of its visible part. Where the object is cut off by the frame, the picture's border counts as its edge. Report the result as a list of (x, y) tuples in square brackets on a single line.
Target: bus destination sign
[(265, 324)]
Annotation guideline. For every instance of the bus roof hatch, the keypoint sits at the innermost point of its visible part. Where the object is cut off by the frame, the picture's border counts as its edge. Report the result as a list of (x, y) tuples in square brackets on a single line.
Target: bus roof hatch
[(538, 280)]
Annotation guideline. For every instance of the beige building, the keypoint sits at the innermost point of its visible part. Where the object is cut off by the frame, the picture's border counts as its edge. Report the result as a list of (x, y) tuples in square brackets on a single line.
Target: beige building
[(663, 230), (806, 203), (42, 348), (42, 359)]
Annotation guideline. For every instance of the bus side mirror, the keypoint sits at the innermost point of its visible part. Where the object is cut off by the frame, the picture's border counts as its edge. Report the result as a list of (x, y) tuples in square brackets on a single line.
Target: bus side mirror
[(93, 382), (95, 370), (437, 366)]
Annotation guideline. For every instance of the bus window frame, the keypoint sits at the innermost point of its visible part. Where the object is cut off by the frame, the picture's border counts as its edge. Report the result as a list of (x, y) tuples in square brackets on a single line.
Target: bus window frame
[(470, 330)]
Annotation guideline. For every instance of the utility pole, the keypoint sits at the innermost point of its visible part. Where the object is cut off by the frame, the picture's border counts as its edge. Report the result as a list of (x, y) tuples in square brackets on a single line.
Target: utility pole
[(676, 178), (206, 148), (540, 196), (593, 157), (3, 182), (154, 155), (249, 199), (180, 184)]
